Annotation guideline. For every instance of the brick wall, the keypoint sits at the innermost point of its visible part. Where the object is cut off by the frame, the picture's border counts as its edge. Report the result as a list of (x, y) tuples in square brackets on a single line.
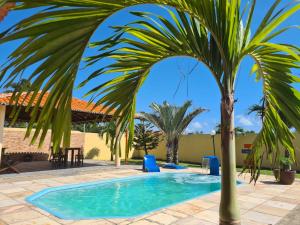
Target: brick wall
[(13, 141)]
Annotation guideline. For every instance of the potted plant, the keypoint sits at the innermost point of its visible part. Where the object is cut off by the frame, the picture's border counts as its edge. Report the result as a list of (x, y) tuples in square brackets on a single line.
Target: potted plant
[(287, 175)]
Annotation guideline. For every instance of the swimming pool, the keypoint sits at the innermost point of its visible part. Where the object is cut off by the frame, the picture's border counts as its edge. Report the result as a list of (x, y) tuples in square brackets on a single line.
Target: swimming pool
[(124, 197)]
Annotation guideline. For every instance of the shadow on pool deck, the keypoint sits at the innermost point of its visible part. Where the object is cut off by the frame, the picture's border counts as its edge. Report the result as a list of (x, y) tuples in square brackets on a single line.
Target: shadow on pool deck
[(293, 218), (46, 165), (31, 169)]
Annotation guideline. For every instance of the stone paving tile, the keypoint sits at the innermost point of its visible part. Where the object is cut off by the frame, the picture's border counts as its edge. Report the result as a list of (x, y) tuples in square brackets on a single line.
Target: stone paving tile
[(117, 220), (187, 209), (202, 203), (125, 223), (3, 197), (13, 209), (22, 194), (261, 217), (92, 222), (48, 182), (208, 215), (174, 213), (22, 183), (290, 196), (139, 217), (11, 190), (287, 200), (22, 216), (39, 210), (212, 198), (36, 187), (271, 210), (251, 199), (192, 221), (143, 222), (162, 218), (281, 205), (8, 202), (292, 218), (38, 221), (261, 196), (259, 203), (250, 222)]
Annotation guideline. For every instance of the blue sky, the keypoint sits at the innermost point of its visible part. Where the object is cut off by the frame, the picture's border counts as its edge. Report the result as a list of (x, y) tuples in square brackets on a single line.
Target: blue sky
[(170, 75)]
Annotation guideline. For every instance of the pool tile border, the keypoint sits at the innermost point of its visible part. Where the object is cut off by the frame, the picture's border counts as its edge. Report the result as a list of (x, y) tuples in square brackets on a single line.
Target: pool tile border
[(30, 199)]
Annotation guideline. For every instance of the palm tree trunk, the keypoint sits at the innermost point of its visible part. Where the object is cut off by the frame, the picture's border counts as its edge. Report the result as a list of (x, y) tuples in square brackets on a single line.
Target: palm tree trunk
[(229, 211), (175, 151), (169, 151)]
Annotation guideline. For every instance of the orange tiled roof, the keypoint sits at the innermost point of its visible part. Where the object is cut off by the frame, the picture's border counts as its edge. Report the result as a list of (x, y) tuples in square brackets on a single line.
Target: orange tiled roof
[(77, 104), (4, 9)]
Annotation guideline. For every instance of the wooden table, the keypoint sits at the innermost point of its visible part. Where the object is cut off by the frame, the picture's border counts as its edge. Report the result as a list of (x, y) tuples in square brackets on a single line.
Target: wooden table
[(72, 149), (2, 156)]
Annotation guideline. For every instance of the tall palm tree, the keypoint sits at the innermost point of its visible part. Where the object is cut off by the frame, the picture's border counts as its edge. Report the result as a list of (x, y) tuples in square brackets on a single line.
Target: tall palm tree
[(215, 32), (172, 121)]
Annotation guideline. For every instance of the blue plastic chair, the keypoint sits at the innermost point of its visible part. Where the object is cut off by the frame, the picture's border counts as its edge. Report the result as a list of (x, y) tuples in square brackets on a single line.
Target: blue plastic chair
[(149, 164)]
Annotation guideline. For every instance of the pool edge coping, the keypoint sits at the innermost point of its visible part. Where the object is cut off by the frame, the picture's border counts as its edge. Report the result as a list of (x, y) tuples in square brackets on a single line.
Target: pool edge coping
[(38, 194)]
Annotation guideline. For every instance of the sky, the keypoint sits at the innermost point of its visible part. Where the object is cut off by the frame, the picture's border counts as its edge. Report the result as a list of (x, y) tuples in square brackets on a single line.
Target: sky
[(172, 80)]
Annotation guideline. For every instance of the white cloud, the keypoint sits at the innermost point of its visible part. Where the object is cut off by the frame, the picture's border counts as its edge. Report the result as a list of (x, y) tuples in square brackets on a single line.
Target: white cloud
[(196, 125), (244, 120)]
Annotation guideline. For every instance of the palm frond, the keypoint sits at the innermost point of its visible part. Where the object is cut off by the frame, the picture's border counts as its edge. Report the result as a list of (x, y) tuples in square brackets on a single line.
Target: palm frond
[(212, 32), (282, 104)]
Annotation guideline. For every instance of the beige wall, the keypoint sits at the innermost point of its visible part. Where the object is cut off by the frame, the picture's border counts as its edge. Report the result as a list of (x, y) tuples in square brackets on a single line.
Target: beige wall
[(192, 148), (13, 141), (94, 146)]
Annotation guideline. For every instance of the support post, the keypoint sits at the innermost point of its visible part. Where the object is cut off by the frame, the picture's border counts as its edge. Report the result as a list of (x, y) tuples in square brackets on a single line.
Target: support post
[(2, 120), (117, 151)]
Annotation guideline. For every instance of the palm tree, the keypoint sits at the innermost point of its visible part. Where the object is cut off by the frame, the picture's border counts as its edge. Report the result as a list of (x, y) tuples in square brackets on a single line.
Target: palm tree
[(172, 121), (271, 146), (215, 32), (22, 86), (258, 109)]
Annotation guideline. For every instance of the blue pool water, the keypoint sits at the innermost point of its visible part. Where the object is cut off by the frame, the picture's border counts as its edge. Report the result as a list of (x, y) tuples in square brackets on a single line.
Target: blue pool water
[(122, 198)]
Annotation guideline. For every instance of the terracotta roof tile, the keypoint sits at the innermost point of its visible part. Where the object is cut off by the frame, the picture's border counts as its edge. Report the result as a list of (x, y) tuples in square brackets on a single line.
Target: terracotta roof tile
[(77, 104), (4, 9)]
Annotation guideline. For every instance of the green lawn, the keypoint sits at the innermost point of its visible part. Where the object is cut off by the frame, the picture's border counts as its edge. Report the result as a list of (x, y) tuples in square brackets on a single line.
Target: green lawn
[(140, 161)]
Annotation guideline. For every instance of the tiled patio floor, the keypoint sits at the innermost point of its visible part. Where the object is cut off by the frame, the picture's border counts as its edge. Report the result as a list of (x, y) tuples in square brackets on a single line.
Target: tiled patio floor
[(263, 204)]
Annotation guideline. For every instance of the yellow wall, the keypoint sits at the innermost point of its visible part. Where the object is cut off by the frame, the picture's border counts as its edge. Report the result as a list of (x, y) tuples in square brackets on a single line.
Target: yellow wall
[(192, 148), (95, 147)]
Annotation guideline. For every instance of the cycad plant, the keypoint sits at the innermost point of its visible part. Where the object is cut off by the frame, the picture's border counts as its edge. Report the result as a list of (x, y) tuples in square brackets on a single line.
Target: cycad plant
[(215, 32), (145, 138), (172, 121)]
